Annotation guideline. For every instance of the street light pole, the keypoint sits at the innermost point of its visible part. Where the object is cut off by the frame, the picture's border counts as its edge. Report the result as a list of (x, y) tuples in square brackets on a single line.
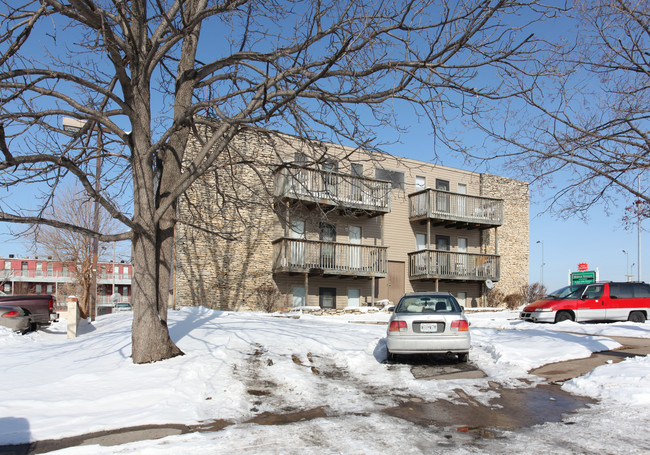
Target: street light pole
[(74, 125), (98, 168), (627, 265), (542, 274)]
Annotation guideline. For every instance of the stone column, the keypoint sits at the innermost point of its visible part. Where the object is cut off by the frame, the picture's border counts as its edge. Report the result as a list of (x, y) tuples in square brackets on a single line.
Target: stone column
[(73, 316)]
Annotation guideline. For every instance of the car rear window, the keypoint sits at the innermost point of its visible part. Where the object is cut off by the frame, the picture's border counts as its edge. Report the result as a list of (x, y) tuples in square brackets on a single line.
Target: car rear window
[(641, 291), (428, 304)]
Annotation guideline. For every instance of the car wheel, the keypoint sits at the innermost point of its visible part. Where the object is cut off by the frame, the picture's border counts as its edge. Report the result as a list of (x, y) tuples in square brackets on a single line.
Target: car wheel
[(636, 316), (463, 357), (563, 316)]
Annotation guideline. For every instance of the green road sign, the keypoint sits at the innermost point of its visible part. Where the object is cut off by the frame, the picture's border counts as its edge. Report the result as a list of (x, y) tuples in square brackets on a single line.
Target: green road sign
[(583, 277)]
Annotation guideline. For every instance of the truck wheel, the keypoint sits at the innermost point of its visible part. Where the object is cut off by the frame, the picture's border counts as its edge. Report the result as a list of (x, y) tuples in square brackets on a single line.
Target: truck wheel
[(636, 316), (563, 316)]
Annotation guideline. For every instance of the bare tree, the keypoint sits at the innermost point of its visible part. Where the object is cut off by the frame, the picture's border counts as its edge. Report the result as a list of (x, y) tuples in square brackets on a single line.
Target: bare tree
[(76, 249), (532, 292), (581, 127), (144, 77)]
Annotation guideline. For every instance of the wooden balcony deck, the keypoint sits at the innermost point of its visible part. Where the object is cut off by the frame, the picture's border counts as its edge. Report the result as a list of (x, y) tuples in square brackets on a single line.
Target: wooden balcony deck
[(452, 266), (354, 194), (329, 258), (455, 210)]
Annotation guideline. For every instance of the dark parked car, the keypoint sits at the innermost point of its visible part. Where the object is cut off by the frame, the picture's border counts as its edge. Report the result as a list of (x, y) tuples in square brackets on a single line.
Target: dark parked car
[(15, 318), (428, 323)]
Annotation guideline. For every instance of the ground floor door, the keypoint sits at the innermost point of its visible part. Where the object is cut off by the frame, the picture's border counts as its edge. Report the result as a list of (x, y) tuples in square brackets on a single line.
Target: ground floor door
[(392, 287), (298, 296), (354, 297)]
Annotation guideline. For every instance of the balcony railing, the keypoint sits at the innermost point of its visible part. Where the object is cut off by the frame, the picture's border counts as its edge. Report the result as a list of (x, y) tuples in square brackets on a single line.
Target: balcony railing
[(333, 189), (329, 258), (447, 265), (108, 300), (61, 277), (456, 209)]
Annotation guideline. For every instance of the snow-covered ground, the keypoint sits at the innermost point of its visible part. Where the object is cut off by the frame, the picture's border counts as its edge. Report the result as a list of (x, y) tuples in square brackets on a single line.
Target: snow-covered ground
[(239, 365)]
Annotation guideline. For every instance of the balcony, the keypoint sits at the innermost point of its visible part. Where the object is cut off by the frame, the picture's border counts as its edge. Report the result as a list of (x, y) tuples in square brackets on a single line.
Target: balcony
[(455, 210), (328, 258), (452, 266), (45, 276), (358, 195)]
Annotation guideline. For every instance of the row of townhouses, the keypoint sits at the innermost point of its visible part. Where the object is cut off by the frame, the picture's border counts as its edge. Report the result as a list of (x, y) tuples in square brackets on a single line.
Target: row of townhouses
[(44, 275), (335, 227)]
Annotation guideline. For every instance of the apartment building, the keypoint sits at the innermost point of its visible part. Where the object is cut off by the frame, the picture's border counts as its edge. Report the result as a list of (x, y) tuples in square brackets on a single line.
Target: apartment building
[(335, 227), (43, 275)]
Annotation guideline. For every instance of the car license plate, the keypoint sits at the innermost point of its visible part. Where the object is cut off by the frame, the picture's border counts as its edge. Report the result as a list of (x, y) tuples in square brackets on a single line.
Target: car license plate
[(429, 328)]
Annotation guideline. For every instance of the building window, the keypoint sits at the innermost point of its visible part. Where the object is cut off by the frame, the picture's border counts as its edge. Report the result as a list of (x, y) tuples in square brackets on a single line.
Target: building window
[(39, 288), (395, 177), (50, 269), (7, 288), (420, 183), (50, 288), (39, 269), (327, 297)]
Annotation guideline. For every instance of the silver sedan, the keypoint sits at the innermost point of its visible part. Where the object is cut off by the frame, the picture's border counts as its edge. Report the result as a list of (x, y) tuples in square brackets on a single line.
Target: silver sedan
[(15, 318), (428, 323)]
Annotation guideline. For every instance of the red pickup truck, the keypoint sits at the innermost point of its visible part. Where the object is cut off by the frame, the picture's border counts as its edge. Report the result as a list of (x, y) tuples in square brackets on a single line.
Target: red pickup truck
[(610, 301), (40, 308)]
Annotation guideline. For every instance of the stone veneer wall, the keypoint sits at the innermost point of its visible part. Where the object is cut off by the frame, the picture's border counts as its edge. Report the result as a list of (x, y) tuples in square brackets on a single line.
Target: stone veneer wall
[(223, 247), (513, 235)]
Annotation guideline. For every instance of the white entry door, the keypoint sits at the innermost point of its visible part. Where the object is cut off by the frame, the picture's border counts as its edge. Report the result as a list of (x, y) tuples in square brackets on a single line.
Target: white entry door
[(298, 296), (354, 297), (461, 262), (297, 245), (355, 251), (421, 258), (462, 200)]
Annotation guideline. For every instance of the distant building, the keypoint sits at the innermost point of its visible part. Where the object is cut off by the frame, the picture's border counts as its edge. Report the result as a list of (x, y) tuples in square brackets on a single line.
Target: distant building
[(43, 275)]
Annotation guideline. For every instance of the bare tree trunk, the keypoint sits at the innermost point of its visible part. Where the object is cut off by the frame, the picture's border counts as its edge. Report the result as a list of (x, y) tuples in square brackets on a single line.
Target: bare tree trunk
[(150, 337)]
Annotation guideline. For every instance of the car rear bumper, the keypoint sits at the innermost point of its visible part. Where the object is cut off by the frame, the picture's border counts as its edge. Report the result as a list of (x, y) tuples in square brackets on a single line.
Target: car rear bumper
[(404, 344), (20, 324)]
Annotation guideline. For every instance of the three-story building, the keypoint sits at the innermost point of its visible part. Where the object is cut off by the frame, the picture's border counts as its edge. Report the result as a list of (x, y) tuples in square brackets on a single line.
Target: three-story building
[(335, 227)]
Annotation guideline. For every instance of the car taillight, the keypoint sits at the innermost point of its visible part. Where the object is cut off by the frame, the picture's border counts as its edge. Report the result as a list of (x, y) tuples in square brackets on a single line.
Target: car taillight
[(461, 325), (50, 305), (397, 326), (11, 314)]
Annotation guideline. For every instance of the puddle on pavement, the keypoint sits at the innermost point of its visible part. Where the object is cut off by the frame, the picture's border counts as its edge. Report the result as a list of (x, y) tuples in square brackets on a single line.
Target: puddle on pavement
[(515, 408), (267, 418)]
